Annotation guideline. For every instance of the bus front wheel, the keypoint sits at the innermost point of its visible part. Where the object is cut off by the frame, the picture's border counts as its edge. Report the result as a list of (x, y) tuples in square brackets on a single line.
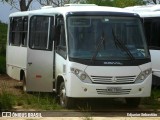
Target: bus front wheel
[(65, 101)]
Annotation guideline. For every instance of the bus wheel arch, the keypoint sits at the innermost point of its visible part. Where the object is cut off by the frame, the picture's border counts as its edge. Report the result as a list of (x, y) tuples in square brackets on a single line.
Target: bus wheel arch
[(65, 102), (59, 80), (23, 79)]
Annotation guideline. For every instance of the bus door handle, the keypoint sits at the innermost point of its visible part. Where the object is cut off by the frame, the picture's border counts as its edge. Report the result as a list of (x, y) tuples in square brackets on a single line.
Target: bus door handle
[(30, 63)]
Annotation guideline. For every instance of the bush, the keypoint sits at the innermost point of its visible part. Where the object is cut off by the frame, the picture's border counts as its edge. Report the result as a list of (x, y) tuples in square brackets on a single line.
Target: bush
[(3, 49), (6, 101), (2, 64)]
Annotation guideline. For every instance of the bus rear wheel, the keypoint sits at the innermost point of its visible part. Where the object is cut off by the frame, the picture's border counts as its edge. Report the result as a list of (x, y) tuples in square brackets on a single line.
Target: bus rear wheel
[(133, 102), (65, 102)]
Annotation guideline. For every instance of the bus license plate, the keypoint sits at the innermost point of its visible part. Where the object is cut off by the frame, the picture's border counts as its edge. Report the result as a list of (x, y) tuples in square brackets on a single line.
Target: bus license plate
[(114, 89)]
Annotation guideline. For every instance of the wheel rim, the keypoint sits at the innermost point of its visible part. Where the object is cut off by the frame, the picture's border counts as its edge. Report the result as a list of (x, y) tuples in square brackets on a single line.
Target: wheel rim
[(63, 96)]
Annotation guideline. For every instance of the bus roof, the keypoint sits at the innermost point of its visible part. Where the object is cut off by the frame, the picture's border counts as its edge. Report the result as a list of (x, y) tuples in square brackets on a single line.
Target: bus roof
[(69, 8), (145, 10)]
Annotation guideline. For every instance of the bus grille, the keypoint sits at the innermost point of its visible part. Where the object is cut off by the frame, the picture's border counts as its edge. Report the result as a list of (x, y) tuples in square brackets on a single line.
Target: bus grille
[(105, 92), (113, 80)]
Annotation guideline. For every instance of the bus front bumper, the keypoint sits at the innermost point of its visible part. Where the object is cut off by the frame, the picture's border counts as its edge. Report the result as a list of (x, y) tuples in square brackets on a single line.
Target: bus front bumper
[(78, 89)]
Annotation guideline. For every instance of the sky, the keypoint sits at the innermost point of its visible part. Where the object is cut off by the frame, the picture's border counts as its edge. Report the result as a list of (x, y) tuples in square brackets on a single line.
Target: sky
[(6, 9)]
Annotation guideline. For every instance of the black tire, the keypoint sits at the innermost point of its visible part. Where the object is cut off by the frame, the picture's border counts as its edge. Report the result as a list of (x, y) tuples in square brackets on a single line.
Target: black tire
[(133, 102), (24, 87), (65, 102)]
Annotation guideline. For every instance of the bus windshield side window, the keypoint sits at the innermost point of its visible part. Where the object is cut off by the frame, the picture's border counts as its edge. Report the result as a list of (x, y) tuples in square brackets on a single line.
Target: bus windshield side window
[(60, 37), (40, 27)]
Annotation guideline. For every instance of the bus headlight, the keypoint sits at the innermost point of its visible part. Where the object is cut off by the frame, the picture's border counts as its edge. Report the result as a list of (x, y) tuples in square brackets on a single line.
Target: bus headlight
[(81, 75), (143, 75)]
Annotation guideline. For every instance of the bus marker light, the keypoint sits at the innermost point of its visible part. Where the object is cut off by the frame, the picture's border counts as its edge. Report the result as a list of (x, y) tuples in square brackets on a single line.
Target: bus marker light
[(85, 89)]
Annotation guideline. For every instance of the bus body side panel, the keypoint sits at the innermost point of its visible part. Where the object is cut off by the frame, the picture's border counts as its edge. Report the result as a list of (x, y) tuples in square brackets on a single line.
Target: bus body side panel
[(155, 57), (39, 70), (16, 60)]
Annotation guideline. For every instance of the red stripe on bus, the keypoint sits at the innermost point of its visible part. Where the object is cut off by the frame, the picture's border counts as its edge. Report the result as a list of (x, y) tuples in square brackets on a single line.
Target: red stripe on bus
[(38, 76)]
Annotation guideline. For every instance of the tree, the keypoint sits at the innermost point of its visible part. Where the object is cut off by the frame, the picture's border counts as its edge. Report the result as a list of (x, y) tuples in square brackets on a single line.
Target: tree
[(57, 3), (152, 1), (99, 2), (126, 3), (22, 5), (115, 3)]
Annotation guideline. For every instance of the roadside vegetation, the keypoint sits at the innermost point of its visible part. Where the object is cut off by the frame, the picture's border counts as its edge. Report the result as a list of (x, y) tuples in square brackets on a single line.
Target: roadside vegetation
[(3, 38), (18, 100), (26, 101), (152, 102)]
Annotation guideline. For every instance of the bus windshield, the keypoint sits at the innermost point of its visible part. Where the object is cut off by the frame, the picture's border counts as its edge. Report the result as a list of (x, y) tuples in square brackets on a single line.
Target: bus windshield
[(106, 38)]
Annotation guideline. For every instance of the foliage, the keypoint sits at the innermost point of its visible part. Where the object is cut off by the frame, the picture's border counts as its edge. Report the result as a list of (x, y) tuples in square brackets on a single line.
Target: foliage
[(2, 64), (99, 2), (6, 99), (153, 101), (115, 3), (3, 32), (3, 38), (126, 3), (57, 3), (42, 101)]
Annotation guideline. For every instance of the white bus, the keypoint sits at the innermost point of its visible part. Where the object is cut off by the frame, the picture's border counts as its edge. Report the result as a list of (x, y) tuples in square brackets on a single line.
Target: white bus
[(80, 51), (150, 15)]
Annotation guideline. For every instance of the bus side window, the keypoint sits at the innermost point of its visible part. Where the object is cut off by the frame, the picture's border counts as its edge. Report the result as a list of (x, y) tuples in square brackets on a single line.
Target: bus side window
[(16, 27), (40, 32), (60, 38), (152, 28)]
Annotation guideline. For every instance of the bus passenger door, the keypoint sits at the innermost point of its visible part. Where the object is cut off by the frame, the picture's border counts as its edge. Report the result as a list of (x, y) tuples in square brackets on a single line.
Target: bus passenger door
[(40, 56)]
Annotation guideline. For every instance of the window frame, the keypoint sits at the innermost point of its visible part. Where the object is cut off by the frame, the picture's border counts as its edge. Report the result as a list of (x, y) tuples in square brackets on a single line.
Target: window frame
[(20, 32), (61, 46), (49, 35)]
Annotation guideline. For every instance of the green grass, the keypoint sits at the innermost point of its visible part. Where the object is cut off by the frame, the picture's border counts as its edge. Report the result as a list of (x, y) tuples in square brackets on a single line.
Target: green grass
[(152, 102), (6, 101), (2, 64), (41, 101), (35, 101), (46, 101)]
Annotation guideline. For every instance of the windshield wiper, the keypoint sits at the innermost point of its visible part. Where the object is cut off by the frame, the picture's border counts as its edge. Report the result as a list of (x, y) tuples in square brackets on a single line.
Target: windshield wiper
[(102, 40), (122, 46)]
